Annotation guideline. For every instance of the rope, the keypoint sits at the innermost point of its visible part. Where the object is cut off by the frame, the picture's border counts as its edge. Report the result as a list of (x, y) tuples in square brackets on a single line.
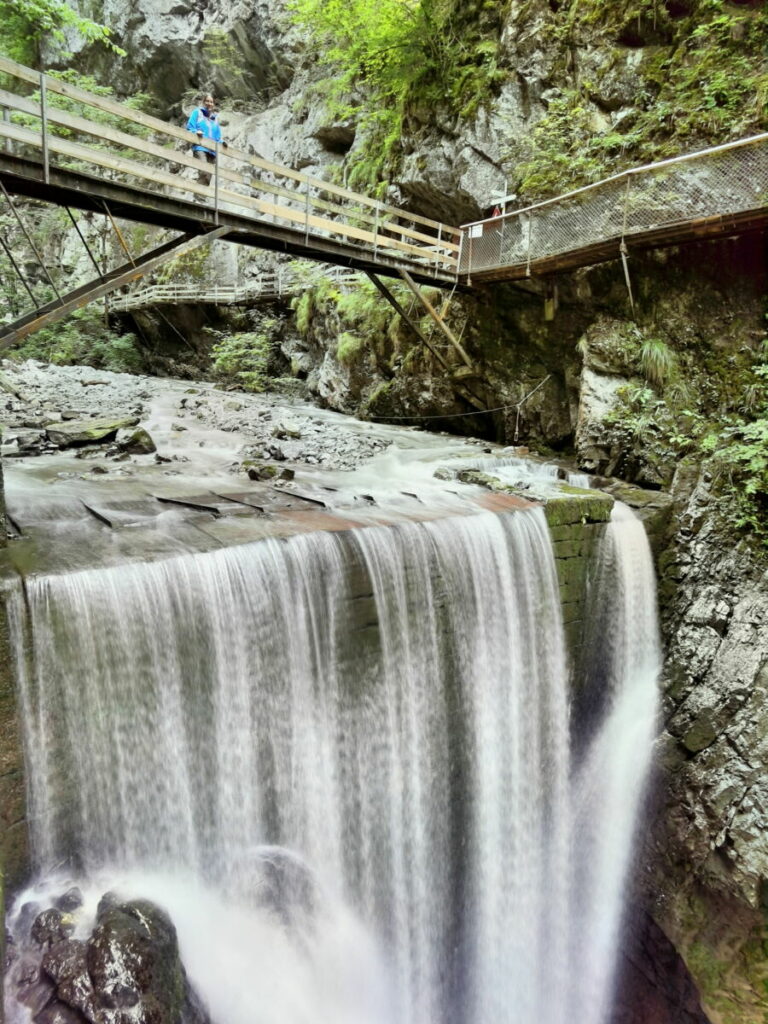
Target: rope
[(387, 419), (457, 415)]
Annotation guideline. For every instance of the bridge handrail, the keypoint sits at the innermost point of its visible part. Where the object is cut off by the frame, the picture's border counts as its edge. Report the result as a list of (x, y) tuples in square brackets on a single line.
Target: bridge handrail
[(73, 92), (75, 123), (622, 175), (273, 283), (685, 196), (439, 249)]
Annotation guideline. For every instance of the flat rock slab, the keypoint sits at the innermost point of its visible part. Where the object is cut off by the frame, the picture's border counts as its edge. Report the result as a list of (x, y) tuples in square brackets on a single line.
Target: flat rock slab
[(76, 432), (269, 499), (205, 502), (125, 513)]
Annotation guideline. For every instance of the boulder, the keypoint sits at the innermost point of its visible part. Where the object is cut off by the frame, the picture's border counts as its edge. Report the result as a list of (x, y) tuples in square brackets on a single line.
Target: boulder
[(133, 962), (50, 927), (66, 963), (58, 1013), (78, 432), (32, 989), (286, 429), (71, 900), (138, 443), (266, 471)]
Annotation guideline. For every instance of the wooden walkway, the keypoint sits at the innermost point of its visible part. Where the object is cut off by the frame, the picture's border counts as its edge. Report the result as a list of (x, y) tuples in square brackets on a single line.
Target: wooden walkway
[(278, 284), (72, 148)]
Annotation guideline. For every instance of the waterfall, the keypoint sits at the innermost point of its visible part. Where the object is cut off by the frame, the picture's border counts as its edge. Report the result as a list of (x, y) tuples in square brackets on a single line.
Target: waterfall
[(347, 765)]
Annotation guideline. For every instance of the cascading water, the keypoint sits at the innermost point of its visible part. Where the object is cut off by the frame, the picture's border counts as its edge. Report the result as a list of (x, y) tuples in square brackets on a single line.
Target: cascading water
[(345, 764)]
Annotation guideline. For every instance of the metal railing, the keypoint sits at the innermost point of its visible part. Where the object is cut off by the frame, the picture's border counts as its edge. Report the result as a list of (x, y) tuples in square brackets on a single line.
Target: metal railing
[(277, 284), (693, 189), (67, 128)]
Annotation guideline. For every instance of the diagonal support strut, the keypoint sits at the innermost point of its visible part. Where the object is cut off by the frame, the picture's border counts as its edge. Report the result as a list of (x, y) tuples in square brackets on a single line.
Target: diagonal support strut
[(460, 389), (14, 332), (436, 317)]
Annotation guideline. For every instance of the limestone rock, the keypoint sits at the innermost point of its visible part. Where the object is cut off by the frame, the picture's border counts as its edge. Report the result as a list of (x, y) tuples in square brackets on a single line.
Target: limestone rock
[(286, 429), (77, 432)]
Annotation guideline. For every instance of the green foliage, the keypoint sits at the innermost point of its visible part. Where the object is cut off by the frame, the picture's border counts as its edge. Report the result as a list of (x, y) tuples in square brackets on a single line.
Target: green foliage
[(83, 339), (703, 80), (562, 153), (27, 22), (368, 332), (654, 422), (740, 453), (363, 306), (348, 347), (189, 266), (243, 358), (304, 307), (658, 362), (404, 54)]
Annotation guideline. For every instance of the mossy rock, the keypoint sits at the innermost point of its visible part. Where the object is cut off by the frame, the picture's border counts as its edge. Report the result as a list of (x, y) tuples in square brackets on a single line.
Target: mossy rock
[(77, 432), (562, 507)]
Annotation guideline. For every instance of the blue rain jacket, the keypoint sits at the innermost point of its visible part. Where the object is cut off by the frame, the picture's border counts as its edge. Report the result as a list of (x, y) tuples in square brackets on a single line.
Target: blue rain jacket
[(201, 121)]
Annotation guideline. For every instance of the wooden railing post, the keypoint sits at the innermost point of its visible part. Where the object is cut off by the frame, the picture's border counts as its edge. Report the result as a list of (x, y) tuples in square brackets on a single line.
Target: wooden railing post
[(44, 128), (437, 249), (7, 119), (216, 183)]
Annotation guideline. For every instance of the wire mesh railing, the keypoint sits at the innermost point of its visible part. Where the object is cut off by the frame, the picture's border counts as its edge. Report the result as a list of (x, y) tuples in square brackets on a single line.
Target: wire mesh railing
[(694, 189)]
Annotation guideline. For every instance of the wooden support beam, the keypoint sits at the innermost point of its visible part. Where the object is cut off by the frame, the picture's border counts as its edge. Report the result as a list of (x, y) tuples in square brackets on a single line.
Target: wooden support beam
[(14, 332), (436, 317), (459, 388)]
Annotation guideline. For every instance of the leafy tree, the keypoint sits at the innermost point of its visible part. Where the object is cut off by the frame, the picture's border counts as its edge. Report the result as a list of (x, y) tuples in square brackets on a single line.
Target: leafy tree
[(27, 22), (243, 358)]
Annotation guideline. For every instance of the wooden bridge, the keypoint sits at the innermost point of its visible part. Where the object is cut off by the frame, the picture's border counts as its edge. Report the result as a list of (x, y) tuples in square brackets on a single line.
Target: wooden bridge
[(276, 284), (80, 151)]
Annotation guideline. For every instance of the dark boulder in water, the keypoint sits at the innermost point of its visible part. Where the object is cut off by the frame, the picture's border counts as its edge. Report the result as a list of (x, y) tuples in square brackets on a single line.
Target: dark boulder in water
[(50, 927), (67, 964), (285, 885), (128, 970), (133, 962), (71, 900), (59, 1013)]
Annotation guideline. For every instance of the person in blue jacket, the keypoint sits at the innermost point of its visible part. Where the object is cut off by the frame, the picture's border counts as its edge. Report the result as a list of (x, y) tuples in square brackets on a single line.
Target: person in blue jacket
[(204, 123)]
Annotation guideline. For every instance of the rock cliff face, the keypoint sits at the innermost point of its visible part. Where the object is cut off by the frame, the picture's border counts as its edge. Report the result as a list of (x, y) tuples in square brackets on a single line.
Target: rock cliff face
[(705, 303)]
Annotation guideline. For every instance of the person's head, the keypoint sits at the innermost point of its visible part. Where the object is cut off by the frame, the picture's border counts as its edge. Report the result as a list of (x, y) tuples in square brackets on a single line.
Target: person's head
[(208, 101)]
